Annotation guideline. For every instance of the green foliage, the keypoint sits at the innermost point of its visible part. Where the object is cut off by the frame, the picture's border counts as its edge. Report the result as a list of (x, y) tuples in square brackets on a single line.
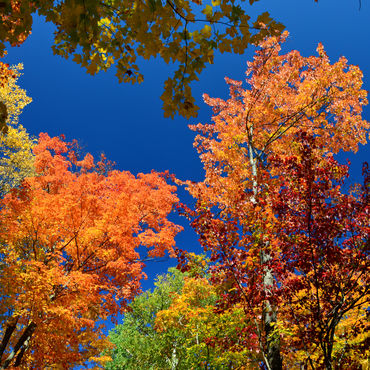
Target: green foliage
[(106, 33), (137, 343), (176, 327), (211, 339)]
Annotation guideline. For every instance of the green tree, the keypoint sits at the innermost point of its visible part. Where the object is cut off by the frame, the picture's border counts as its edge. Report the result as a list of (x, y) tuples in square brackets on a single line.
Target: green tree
[(101, 33), (175, 326), (138, 345)]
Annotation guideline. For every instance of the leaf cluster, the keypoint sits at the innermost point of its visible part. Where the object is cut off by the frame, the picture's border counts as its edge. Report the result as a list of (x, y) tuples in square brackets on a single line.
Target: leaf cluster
[(99, 34)]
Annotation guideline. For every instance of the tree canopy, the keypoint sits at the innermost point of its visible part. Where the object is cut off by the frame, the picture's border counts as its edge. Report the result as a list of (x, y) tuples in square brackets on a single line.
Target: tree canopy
[(286, 97), (284, 279), (100, 34), (68, 245), (137, 342)]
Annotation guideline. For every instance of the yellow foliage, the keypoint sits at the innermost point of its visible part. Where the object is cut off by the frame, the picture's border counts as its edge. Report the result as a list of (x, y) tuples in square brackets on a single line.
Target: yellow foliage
[(16, 158), (13, 96)]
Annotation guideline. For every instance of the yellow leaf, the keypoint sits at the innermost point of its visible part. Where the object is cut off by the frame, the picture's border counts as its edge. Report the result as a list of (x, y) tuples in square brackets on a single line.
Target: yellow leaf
[(206, 31), (208, 11)]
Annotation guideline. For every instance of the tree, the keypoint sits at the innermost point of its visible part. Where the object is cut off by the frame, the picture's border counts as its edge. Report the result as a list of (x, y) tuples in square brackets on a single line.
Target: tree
[(210, 339), (175, 326), (100, 34), (322, 244), (320, 238), (68, 245), (138, 344), (234, 216), (16, 157)]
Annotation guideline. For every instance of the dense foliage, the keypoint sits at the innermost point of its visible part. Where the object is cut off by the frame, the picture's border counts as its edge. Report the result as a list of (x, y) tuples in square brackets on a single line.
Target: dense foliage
[(284, 279), (138, 345), (16, 157), (295, 111), (68, 245)]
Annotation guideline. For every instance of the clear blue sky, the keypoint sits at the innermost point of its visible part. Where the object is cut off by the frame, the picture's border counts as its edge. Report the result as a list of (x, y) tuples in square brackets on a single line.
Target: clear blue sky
[(126, 121)]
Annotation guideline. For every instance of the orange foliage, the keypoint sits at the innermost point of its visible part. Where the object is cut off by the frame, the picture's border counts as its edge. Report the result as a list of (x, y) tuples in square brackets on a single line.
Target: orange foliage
[(5, 73), (285, 95), (69, 240), (15, 21)]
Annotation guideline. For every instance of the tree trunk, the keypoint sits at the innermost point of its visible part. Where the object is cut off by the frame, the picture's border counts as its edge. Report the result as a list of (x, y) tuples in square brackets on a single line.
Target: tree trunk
[(10, 327), (22, 345), (272, 343), (328, 365)]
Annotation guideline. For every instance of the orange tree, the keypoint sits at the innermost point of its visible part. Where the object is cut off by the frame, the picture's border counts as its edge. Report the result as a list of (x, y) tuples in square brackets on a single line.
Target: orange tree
[(234, 214), (68, 245)]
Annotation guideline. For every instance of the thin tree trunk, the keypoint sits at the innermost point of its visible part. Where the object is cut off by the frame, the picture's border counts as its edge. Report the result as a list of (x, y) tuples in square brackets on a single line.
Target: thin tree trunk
[(269, 313), (270, 318), (328, 365)]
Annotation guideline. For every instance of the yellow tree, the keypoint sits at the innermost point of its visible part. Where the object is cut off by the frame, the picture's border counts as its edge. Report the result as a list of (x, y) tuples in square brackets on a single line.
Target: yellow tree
[(212, 338), (100, 34), (16, 158)]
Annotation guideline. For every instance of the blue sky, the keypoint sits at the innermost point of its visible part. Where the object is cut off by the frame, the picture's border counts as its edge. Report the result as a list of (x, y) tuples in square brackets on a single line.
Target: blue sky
[(126, 121)]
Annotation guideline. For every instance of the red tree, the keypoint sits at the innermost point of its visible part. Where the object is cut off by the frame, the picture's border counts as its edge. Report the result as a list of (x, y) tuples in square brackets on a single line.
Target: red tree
[(321, 259), (235, 214)]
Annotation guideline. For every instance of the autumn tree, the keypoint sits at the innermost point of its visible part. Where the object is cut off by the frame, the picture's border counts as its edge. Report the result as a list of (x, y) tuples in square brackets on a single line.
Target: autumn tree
[(69, 240), (234, 215), (321, 260), (16, 157), (101, 34), (210, 338)]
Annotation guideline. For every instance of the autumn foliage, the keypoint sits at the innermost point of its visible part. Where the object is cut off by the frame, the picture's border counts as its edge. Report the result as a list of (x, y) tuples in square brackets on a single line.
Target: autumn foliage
[(100, 35), (284, 282), (69, 253), (16, 157), (293, 111), (321, 249)]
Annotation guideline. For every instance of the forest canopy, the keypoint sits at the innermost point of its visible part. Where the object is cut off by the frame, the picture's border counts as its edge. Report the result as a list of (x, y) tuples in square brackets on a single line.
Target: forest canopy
[(279, 278)]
